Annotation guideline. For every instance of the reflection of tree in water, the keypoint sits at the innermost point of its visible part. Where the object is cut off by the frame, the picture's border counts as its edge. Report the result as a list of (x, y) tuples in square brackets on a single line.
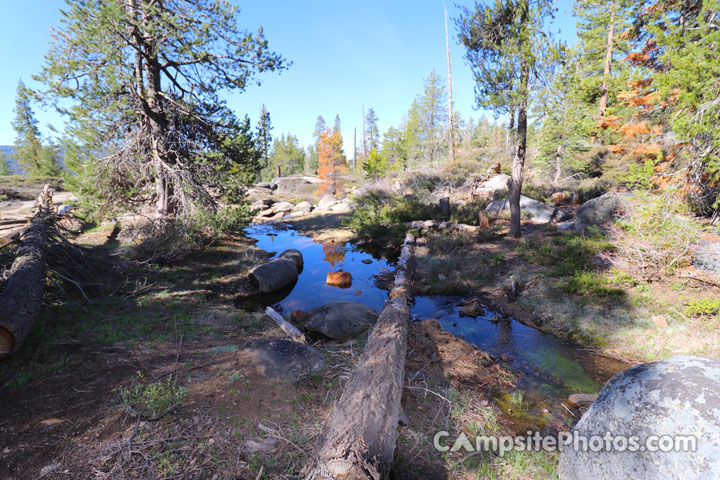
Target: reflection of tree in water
[(334, 253)]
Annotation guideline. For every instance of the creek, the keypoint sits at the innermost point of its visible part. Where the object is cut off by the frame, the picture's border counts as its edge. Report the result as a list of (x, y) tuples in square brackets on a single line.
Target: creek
[(548, 368)]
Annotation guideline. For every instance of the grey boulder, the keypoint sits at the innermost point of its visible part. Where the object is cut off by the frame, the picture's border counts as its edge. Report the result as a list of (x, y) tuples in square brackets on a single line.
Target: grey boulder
[(283, 359), (536, 211), (303, 207), (294, 256), (275, 275), (678, 396), (602, 209), (327, 202), (341, 320)]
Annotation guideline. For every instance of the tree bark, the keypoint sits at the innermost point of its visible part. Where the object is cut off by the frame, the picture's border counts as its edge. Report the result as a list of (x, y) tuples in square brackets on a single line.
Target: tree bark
[(608, 61), (358, 440), (21, 299), (558, 165)]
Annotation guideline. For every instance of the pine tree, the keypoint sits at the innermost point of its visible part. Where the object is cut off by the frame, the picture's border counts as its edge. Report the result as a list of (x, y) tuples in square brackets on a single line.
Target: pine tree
[(504, 46), (376, 164), (394, 149), (332, 162), (337, 126), (263, 135), (313, 150), (28, 145), (371, 129), (148, 78), (4, 165), (288, 155), (602, 31)]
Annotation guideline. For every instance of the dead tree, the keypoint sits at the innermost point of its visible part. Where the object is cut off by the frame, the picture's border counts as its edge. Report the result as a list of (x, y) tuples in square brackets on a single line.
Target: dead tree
[(358, 440), (21, 298)]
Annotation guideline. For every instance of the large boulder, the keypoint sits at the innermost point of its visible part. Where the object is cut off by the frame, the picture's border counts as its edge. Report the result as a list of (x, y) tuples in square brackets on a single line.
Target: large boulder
[(498, 182), (341, 320), (294, 256), (342, 207), (679, 396), (275, 275), (283, 207), (297, 185), (327, 202), (282, 359), (706, 255), (303, 207), (532, 209), (602, 209)]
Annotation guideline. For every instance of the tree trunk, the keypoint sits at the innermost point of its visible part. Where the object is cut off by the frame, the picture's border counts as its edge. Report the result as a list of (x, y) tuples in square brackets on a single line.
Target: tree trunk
[(608, 61), (358, 440), (519, 158), (21, 298), (558, 165)]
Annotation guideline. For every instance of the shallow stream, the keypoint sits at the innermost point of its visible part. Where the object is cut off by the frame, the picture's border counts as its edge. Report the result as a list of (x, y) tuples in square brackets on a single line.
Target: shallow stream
[(549, 369)]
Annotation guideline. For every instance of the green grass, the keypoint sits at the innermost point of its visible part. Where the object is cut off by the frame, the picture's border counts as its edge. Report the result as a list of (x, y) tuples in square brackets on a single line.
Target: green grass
[(702, 307), (565, 254)]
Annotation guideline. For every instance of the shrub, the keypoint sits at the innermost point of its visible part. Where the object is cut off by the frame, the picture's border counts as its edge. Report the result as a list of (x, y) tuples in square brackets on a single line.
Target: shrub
[(152, 399), (656, 236), (379, 215), (702, 307)]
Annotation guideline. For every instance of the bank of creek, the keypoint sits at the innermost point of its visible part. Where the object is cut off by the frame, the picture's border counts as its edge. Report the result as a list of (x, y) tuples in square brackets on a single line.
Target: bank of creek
[(548, 368)]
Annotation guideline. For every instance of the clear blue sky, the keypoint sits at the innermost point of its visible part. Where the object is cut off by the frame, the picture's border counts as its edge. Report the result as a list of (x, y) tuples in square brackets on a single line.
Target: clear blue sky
[(344, 53)]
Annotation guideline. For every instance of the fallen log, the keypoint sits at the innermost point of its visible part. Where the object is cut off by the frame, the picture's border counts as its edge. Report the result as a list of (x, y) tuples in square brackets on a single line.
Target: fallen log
[(426, 224), (21, 299), (358, 440), (286, 327)]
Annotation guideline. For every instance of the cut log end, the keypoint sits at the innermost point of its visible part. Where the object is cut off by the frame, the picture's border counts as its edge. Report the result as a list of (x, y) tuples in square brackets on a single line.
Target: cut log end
[(7, 341)]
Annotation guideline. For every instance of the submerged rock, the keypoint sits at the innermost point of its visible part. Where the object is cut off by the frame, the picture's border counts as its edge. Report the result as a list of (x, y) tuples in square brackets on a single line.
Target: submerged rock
[(678, 396), (339, 279), (283, 359), (341, 320)]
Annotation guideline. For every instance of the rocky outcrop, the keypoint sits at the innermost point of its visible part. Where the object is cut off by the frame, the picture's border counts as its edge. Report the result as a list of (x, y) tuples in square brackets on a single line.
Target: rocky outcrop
[(327, 202), (706, 255), (341, 320), (282, 359), (679, 396), (529, 208), (303, 207)]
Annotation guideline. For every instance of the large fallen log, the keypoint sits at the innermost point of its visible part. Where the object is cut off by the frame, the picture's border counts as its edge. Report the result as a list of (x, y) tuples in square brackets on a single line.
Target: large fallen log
[(358, 440), (21, 299)]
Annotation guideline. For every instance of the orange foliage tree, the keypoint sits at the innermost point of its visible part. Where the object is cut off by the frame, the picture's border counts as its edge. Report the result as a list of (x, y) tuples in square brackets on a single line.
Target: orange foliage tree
[(332, 163)]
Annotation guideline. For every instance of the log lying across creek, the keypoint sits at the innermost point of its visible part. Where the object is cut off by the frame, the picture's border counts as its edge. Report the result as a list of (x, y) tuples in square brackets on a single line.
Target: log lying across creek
[(358, 440)]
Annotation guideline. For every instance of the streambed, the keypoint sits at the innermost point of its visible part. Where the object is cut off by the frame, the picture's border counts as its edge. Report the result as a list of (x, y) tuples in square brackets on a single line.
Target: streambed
[(549, 369)]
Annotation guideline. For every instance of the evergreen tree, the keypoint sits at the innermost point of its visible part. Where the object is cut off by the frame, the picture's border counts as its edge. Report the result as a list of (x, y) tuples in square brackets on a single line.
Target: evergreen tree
[(376, 164), (371, 129), (603, 44), (288, 155), (313, 151), (4, 165), (505, 44), (146, 96), (337, 126), (394, 149), (263, 135), (28, 145)]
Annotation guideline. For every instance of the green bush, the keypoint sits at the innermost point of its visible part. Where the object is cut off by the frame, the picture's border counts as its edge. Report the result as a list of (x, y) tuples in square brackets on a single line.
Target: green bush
[(702, 307), (380, 215), (566, 254), (154, 398)]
